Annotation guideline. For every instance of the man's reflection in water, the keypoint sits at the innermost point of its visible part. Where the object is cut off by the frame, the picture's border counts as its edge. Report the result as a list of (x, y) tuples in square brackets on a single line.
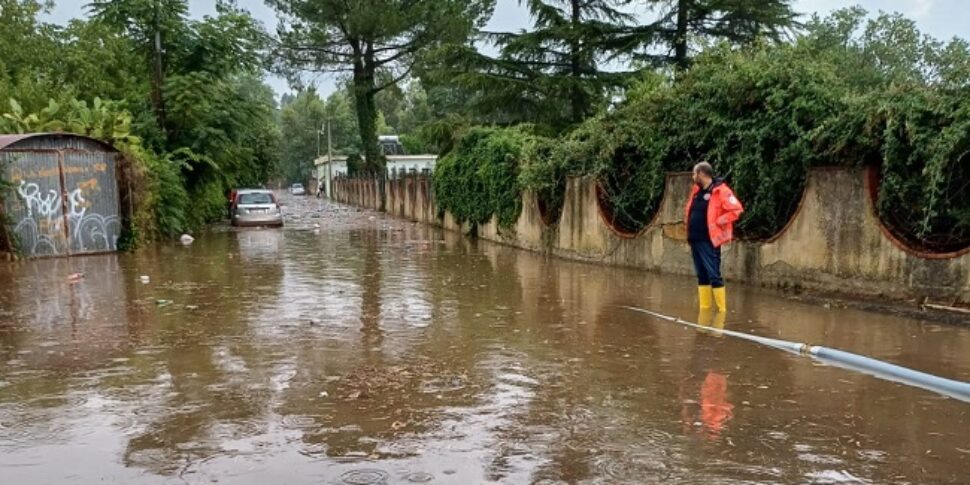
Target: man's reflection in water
[(709, 414)]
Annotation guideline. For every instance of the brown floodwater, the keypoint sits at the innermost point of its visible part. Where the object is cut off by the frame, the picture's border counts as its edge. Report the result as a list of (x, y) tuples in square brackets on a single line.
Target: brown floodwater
[(372, 350)]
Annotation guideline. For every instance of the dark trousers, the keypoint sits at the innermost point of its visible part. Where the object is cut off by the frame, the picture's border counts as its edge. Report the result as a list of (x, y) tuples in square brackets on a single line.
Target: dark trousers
[(707, 263)]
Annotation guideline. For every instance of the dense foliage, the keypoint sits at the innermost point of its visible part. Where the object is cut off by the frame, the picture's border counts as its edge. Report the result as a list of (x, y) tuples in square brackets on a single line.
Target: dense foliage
[(847, 92), (479, 178), (190, 112), (183, 98), (550, 74), (377, 42), (684, 26), (580, 55), (753, 113), (617, 153)]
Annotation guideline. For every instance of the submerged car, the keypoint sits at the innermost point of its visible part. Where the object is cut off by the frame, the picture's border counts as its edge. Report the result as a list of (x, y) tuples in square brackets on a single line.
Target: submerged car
[(297, 189), (256, 208)]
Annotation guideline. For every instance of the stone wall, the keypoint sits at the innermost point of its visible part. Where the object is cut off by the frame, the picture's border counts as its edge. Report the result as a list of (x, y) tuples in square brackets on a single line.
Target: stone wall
[(834, 243)]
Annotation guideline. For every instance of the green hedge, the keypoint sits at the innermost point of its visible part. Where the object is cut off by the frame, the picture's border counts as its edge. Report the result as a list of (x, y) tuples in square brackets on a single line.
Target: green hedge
[(479, 177), (752, 113), (614, 150), (8, 242), (924, 196), (848, 93)]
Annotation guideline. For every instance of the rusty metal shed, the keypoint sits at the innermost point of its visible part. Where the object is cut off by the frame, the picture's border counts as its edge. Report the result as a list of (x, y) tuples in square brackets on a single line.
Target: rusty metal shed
[(65, 196)]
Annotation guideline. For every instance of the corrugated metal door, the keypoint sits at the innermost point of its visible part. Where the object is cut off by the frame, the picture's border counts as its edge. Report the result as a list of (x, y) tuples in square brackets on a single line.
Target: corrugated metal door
[(66, 201), (94, 225), (37, 210)]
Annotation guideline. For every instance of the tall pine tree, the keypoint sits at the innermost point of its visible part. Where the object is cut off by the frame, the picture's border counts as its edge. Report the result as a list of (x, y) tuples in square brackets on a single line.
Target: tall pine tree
[(552, 74), (735, 21)]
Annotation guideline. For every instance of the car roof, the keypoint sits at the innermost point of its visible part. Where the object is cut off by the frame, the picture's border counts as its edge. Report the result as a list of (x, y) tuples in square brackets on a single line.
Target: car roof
[(254, 191)]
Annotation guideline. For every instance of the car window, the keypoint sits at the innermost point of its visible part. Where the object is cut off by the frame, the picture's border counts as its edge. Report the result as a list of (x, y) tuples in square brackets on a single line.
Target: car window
[(256, 198)]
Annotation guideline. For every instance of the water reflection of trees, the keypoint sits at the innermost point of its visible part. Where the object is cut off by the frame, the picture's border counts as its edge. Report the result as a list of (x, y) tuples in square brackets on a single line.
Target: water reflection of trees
[(546, 364), (368, 241), (365, 398), (51, 330), (42, 305), (218, 389)]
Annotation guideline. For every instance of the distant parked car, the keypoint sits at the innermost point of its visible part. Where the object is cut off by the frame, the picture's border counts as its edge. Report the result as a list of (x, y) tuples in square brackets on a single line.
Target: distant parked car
[(256, 207), (297, 189)]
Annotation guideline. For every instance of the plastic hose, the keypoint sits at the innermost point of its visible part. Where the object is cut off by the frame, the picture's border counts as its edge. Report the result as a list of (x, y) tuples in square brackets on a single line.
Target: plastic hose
[(839, 358), (791, 347), (892, 372)]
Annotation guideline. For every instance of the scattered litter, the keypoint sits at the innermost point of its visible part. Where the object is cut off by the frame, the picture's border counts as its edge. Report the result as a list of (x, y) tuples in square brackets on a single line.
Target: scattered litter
[(186, 239), (945, 308), (191, 307), (145, 279), (324, 394), (163, 302), (75, 277)]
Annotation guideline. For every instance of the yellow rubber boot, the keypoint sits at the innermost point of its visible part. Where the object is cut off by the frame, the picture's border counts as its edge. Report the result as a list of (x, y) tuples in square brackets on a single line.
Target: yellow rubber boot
[(720, 298), (705, 316), (704, 319), (718, 321), (704, 296)]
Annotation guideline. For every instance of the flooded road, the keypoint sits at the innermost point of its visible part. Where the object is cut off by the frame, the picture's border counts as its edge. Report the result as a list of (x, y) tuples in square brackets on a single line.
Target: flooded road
[(372, 350)]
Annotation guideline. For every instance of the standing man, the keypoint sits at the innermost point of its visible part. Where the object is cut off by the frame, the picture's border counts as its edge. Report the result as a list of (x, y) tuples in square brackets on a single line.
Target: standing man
[(711, 211)]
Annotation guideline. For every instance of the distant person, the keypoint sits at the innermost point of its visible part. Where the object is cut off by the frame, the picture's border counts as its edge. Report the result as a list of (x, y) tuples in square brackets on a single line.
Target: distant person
[(711, 211)]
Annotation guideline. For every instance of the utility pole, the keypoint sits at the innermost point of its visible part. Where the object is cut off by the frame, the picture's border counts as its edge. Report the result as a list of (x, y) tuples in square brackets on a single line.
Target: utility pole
[(329, 163), (158, 74)]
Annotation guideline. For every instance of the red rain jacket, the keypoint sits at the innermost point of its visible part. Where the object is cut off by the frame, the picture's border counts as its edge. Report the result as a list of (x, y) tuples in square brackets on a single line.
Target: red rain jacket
[(724, 208)]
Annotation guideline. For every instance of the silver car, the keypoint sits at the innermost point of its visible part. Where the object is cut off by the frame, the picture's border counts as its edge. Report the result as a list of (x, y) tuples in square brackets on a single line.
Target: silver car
[(256, 208), (297, 189)]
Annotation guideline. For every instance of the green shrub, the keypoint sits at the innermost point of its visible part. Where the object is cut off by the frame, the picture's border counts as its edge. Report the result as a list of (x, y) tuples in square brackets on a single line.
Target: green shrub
[(208, 202), (413, 144), (752, 114), (617, 151), (479, 177), (8, 241), (545, 176), (168, 200), (924, 195), (766, 114)]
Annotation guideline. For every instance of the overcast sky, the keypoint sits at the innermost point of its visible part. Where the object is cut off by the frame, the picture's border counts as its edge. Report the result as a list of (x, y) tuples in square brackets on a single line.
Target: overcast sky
[(942, 19)]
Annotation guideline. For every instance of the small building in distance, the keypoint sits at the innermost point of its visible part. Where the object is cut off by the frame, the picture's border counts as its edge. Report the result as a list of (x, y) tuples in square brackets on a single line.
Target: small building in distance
[(398, 163)]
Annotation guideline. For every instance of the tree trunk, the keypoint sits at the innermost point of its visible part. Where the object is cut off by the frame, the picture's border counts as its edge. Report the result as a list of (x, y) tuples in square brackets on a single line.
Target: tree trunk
[(367, 122), (680, 41), (576, 94), (364, 93)]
